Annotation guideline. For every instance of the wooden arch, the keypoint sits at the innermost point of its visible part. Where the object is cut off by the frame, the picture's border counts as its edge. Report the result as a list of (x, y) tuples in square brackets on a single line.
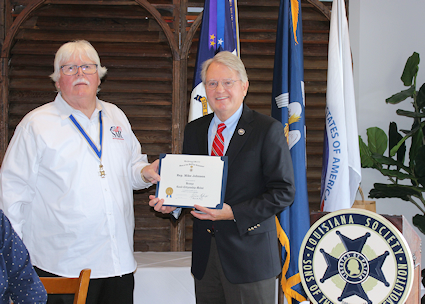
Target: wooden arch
[(321, 7), (33, 6)]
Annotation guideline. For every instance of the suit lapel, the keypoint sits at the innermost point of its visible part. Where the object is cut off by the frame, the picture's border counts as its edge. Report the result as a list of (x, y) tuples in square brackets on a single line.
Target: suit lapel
[(241, 134)]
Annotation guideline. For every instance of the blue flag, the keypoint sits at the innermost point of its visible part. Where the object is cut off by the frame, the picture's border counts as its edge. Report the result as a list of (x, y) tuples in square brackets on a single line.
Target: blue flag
[(219, 32), (288, 106)]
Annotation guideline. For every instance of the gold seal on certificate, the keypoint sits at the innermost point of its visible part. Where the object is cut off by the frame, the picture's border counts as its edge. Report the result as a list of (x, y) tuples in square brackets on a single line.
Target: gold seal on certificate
[(188, 180), (169, 191)]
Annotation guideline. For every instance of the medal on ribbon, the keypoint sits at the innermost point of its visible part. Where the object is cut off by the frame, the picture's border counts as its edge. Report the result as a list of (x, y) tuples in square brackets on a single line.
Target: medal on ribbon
[(97, 151)]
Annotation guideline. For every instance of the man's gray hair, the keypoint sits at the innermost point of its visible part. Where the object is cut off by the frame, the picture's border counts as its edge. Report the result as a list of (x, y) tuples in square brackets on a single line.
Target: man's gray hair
[(76, 48), (228, 59)]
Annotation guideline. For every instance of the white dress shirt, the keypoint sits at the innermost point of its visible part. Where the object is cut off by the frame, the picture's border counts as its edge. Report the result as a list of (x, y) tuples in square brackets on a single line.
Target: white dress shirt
[(68, 216)]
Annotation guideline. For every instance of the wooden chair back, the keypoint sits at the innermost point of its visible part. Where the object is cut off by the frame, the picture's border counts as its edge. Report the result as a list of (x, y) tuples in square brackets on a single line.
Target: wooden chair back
[(77, 286)]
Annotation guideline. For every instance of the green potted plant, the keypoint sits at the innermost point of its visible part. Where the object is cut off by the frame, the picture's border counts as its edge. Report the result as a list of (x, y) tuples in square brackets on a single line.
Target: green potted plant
[(406, 175)]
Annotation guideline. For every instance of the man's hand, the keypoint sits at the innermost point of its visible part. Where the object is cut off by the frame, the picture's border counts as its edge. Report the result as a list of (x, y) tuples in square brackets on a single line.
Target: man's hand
[(156, 203), (214, 214), (150, 173)]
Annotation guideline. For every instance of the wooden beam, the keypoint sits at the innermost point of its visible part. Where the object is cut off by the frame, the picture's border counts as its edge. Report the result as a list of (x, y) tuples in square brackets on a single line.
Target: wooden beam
[(178, 234), (321, 7)]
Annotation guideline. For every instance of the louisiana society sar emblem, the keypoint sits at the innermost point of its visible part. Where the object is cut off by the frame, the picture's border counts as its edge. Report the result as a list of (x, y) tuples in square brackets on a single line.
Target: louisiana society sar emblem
[(355, 256)]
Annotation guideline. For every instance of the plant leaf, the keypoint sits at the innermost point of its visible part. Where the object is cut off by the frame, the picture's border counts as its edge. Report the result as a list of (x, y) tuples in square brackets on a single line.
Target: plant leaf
[(397, 174), (410, 69), (400, 96), (419, 162), (419, 165), (410, 114), (417, 143), (365, 155), (394, 190), (394, 139), (419, 221), (377, 140), (385, 160), (420, 98), (415, 128)]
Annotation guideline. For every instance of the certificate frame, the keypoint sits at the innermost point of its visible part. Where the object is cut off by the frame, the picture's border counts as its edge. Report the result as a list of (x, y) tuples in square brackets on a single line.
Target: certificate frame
[(195, 185)]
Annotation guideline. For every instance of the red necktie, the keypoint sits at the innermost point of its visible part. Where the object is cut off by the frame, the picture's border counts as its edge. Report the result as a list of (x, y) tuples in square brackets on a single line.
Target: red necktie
[(218, 143)]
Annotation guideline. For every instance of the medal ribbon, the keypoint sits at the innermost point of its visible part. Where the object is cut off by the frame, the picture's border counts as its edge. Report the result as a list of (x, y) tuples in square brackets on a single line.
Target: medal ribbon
[(87, 137)]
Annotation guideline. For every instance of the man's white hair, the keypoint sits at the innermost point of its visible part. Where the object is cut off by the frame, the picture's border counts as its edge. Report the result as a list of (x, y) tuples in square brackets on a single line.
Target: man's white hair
[(76, 48), (228, 59)]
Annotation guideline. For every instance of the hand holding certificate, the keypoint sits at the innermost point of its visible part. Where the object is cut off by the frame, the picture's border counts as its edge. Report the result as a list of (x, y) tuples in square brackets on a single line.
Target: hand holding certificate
[(188, 180)]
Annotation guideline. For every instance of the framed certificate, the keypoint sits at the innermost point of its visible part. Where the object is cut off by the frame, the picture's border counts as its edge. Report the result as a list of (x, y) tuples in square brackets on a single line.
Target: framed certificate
[(188, 180)]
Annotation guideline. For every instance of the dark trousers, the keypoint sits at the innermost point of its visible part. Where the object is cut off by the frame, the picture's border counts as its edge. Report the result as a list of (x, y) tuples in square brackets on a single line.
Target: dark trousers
[(214, 288), (101, 291)]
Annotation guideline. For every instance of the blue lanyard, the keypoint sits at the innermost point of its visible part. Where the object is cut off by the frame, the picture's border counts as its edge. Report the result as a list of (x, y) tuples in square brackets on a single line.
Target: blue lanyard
[(87, 137)]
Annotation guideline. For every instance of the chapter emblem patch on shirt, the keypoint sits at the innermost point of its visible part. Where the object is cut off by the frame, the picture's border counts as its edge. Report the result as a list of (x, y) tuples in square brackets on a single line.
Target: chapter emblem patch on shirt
[(116, 132), (355, 256)]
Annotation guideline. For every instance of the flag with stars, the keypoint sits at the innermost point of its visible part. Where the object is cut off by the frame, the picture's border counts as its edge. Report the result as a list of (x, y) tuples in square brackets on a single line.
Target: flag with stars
[(288, 106), (219, 32)]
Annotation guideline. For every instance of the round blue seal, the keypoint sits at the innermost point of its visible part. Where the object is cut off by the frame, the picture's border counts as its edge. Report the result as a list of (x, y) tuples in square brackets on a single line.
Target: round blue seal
[(355, 256)]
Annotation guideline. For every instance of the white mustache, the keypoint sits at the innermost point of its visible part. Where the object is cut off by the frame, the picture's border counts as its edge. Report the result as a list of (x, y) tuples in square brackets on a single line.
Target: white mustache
[(81, 80)]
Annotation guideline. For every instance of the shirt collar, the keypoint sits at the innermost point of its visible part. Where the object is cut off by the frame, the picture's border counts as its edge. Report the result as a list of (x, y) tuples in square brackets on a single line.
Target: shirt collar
[(232, 120), (66, 110)]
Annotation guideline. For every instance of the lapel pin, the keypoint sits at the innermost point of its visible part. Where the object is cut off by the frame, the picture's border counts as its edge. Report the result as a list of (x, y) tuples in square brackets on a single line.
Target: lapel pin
[(241, 132)]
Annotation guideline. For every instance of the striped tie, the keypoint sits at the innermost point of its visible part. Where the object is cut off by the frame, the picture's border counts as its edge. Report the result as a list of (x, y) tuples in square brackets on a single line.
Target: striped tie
[(218, 143)]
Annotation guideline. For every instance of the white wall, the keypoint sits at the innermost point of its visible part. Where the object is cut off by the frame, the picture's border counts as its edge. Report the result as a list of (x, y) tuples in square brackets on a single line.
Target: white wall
[(383, 34)]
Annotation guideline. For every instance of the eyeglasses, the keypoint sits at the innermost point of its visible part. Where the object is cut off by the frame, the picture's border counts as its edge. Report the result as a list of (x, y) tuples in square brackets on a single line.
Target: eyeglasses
[(72, 69), (226, 83)]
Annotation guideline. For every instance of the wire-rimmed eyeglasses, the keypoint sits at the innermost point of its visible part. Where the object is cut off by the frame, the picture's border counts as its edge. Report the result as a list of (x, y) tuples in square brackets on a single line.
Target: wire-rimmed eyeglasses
[(72, 69), (226, 83)]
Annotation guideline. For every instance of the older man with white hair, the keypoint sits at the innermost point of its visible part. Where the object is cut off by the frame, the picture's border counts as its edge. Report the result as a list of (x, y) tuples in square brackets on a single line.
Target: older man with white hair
[(67, 181)]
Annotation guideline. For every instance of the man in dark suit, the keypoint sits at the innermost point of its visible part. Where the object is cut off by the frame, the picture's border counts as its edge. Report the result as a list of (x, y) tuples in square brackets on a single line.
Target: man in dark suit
[(235, 255)]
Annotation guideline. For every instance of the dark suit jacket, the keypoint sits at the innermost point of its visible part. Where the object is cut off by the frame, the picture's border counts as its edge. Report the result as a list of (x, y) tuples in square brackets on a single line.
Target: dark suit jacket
[(260, 184)]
